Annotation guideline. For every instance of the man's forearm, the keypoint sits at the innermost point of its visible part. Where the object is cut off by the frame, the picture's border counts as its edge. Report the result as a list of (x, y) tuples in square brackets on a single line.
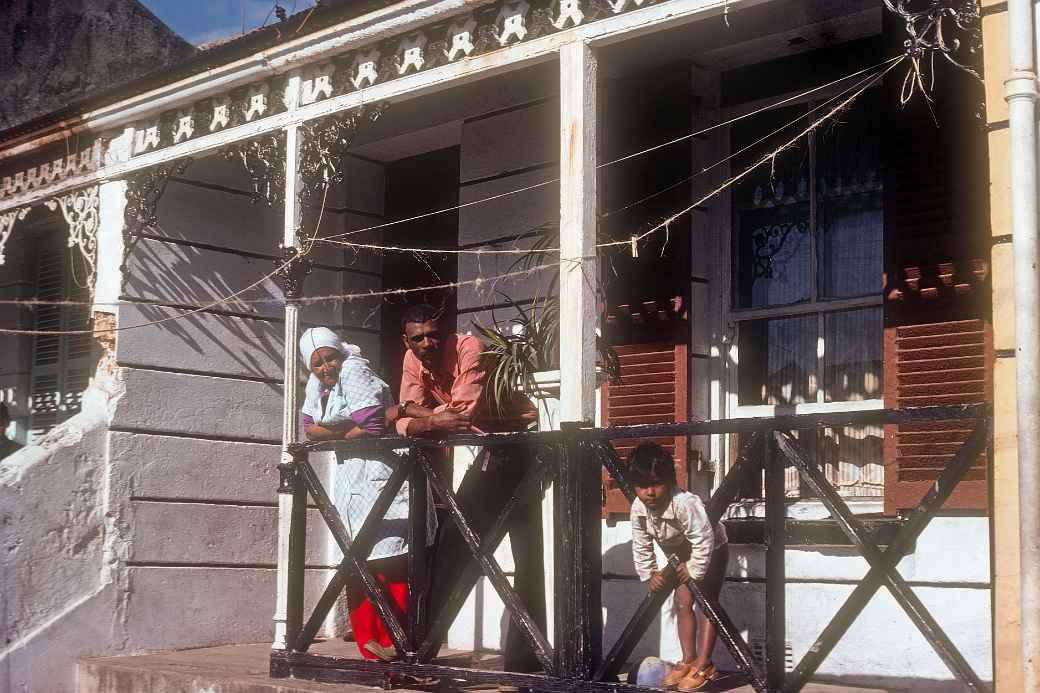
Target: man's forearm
[(420, 425)]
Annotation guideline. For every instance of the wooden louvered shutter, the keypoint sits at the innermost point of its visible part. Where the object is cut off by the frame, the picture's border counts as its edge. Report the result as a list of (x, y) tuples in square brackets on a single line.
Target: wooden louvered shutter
[(62, 364), (652, 389), (938, 339), (931, 364)]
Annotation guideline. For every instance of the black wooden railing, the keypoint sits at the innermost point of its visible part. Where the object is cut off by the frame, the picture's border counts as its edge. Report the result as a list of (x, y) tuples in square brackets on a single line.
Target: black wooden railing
[(571, 459)]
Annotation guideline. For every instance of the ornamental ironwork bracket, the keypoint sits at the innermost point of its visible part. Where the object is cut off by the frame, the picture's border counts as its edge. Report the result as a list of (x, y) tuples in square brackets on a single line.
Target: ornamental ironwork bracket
[(293, 267), (7, 221), (264, 161), (143, 192), (81, 210), (935, 27), (324, 144), (767, 243)]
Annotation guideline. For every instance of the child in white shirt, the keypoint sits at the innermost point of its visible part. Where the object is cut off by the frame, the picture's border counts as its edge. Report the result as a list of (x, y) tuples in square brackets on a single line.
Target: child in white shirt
[(677, 520)]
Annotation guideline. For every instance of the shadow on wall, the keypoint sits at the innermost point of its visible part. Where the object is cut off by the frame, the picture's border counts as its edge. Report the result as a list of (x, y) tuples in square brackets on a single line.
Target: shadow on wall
[(185, 276), (621, 594)]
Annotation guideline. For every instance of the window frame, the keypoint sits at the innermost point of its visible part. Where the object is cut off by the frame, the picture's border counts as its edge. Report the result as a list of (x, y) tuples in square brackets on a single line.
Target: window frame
[(821, 307)]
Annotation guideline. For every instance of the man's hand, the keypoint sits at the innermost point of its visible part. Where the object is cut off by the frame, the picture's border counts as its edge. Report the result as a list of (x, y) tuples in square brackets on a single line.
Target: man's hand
[(656, 581), (451, 420), (682, 574)]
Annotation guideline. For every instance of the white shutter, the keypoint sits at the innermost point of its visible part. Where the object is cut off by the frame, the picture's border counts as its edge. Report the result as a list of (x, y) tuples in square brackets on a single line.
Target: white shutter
[(62, 364)]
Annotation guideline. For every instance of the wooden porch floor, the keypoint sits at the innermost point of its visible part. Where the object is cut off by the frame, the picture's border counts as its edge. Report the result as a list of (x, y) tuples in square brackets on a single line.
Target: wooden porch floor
[(244, 669)]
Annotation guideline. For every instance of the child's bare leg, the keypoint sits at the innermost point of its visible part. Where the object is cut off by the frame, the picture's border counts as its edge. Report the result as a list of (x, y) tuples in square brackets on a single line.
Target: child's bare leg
[(685, 620), (705, 640)]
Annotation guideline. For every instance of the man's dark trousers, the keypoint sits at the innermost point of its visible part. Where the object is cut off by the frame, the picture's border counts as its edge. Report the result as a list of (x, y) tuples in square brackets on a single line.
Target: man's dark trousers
[(485, 489)]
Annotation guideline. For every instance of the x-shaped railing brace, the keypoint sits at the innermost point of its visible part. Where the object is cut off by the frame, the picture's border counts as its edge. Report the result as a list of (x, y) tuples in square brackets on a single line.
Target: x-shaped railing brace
[(356, 551), (883, 564), (529, 485), (652, 603), (355, 554)]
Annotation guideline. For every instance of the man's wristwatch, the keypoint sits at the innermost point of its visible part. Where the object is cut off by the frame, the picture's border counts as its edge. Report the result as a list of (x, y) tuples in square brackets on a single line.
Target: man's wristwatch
[(402, 408)]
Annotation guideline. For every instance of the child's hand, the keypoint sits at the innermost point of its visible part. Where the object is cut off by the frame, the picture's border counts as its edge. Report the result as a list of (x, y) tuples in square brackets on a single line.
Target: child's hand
[(682, 574), (657, 581)]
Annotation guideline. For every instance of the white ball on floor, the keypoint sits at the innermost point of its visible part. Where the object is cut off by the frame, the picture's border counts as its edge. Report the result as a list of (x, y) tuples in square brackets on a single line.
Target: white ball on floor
[(649, 671)]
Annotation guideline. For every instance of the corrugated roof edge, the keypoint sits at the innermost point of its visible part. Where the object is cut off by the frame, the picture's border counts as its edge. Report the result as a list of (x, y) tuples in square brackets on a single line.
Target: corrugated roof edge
[(324, 14)]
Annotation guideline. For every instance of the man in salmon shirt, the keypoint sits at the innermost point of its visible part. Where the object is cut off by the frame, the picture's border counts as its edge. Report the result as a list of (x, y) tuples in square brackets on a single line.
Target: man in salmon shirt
[(442, 392)]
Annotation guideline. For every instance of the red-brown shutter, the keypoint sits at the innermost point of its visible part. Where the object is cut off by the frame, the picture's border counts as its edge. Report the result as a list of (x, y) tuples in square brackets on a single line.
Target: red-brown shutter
[(652, 389), (932, 364), (938, 343)]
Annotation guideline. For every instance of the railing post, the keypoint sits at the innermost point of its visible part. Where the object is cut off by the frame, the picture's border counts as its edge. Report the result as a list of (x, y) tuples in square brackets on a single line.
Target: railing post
[(292, 506), (776, 582), (578, 564), (292, 495), (417, 556)]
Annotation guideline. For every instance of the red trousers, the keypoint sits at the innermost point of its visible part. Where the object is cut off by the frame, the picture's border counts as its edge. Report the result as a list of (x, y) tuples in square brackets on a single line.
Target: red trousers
[(364, 619)]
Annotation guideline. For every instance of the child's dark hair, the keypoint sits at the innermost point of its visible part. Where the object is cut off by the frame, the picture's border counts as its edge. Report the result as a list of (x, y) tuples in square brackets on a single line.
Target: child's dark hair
[(648, 464)]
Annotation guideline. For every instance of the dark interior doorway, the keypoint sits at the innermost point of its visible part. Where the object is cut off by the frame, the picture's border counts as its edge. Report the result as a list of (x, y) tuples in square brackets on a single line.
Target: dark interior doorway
[(414, 186)]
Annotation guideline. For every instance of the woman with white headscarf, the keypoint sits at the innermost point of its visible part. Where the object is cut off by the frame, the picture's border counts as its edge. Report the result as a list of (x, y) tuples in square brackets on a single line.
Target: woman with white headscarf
[(346, 400)]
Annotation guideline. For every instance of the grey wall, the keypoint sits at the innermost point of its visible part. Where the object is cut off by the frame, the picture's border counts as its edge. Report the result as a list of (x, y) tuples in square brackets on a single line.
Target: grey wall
[(195, 439), (505, 150)]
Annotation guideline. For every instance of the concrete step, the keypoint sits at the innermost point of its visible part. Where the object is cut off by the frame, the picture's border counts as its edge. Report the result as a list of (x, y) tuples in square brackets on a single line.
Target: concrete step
[(227, 669)]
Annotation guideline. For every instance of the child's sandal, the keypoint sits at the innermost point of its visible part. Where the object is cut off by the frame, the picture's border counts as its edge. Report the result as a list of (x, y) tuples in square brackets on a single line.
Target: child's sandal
[(679, 672), (699, 679)]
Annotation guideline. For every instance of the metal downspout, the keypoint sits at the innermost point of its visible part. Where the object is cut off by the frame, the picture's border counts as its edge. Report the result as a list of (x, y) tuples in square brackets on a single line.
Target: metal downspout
[(1021, 94)]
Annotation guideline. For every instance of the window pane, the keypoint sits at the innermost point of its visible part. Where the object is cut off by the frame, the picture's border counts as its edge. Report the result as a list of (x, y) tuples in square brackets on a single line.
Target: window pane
[(852, 460), (850, 217), (773, 256), (771, 212), (777, 361), (852, 355)]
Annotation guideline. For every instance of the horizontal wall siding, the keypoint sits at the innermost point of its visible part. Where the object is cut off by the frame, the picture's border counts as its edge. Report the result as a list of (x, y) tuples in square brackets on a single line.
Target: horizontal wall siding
[(176, 608), (196, 438), (219, 344), (510, 140), (196, 405), (173, 273), (157, 466), (174, 533), (196, 211), (513, 149)]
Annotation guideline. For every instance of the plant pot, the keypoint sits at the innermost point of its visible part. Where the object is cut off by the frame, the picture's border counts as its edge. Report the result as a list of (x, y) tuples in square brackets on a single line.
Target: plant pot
[(547, 398)]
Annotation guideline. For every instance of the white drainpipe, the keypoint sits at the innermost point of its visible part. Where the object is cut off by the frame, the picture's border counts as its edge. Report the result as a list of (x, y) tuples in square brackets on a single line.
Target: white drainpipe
[(1021, 93)]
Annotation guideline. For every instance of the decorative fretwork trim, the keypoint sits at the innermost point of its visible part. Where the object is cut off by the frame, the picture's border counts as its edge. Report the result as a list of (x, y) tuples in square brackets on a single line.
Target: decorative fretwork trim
[(46, 175)]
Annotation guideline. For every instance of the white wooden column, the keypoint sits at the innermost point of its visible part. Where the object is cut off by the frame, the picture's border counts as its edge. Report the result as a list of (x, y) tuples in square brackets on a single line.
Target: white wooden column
[(290, 409), (579, 271)]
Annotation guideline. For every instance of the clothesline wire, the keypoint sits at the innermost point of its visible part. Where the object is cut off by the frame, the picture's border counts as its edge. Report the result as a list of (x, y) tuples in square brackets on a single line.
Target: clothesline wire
[(220, 301), (542, 184), (733, 155), (475, 282), (308, 300), (334, 240), (743, 174)]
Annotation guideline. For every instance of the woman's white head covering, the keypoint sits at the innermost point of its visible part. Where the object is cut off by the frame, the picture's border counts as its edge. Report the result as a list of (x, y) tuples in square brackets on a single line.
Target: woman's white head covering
[(317, 337)]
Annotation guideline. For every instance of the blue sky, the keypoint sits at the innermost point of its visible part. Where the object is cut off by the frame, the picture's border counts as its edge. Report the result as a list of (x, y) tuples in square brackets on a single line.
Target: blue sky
[(201, 21)]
